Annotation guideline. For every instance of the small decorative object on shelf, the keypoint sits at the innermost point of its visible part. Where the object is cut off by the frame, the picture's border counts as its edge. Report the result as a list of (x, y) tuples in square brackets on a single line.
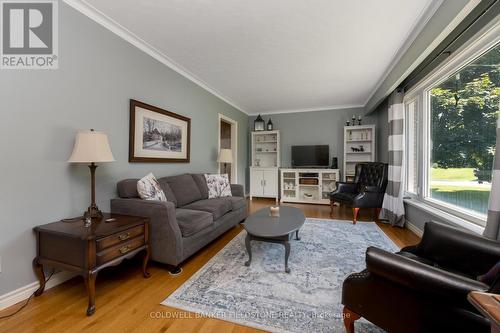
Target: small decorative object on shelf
[(258, 124), (361, 148), (353, 120), (347, 122), (274, 211), (335, 163), (359, 120), (269, 125)]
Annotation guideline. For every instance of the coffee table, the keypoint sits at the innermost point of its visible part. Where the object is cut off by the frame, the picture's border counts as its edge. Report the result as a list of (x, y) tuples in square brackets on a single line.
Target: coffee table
[(262, 227)]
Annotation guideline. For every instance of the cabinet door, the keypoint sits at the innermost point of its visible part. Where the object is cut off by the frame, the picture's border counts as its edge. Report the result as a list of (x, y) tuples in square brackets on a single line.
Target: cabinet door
[(256, 183), (270, 183)]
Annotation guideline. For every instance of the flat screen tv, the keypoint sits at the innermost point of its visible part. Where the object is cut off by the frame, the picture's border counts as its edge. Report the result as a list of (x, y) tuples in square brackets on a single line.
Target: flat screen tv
[(314, 156)]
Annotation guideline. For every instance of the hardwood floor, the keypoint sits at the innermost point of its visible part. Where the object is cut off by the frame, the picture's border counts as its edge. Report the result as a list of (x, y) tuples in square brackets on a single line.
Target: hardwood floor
[(126, 302)]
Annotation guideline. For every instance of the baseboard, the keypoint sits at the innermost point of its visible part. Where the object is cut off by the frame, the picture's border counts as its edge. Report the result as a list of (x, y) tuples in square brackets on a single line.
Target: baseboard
[(413, 228), (24, 292)]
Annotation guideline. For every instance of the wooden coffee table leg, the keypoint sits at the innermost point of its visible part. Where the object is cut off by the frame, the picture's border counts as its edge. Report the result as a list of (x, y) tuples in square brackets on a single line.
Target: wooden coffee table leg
[(249, 249), (38, 268), (287, 254)]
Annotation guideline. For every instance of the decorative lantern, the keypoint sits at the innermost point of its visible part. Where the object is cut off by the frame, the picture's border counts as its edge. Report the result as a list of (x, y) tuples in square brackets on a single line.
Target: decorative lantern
[(258, 124), (269, 125)]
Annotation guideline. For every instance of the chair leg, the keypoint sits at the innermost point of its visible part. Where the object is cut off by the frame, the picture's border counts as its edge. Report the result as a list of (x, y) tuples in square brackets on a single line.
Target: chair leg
[(377, 214), (355, 212), (349, 318), (332, 205)]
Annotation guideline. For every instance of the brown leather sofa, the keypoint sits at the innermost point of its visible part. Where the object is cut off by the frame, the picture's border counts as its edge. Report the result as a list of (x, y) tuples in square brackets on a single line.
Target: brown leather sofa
[(186, 222)]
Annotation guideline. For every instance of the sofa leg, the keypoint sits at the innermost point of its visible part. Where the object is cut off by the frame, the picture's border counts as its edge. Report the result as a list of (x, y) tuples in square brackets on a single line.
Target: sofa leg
[(355, 211), (349, 318), (377, 214), (174, 270)]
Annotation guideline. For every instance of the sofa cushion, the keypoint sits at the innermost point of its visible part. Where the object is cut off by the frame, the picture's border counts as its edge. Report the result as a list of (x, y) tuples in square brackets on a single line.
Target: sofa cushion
[(184, 188), (217, 207), (167, 190), (200, 180), (237, 202), (192, 221), (127, 188), (149, 188)]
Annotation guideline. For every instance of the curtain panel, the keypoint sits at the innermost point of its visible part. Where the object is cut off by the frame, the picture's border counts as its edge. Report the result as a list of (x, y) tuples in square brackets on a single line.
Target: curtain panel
[(492, 229), (393, 209)]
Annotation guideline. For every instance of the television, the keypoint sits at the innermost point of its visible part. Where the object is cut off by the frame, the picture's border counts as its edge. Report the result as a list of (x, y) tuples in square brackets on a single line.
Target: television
[(313, 156)]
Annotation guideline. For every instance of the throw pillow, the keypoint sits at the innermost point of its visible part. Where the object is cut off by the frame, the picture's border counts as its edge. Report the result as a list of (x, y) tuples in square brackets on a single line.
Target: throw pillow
[(149, 189), (491, 275), (218, 186)]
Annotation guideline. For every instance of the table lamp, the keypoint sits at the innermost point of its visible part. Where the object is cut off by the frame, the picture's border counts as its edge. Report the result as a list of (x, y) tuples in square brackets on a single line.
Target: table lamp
[(225, 156), (91, 147)]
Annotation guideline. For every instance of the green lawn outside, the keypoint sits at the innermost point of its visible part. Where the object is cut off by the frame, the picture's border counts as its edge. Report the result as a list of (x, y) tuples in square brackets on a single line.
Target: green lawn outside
[(457, 174)]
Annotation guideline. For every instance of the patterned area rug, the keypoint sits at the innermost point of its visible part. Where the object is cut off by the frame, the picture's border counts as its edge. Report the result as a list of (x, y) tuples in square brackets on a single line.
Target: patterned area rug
[(264, 296)]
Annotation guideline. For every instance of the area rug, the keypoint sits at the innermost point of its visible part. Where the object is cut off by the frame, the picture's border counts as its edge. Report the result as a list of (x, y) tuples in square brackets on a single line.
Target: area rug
[(263, 296)]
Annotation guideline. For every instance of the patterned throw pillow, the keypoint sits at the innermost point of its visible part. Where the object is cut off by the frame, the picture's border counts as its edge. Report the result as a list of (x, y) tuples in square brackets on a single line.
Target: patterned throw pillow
[(149, 189), (218, 186)]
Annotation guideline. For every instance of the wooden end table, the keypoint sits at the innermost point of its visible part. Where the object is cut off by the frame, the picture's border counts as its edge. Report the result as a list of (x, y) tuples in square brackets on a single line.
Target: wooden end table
[(71, 246), (489, 306)]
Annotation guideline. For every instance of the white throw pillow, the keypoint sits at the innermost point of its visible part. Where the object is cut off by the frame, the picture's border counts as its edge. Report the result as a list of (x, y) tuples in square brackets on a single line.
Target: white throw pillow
[(149, 189), (218, 186)]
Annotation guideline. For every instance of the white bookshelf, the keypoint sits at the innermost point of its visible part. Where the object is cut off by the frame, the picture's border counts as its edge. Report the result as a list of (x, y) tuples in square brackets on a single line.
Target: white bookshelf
[(266, 160), (308, 185), (362, 139)]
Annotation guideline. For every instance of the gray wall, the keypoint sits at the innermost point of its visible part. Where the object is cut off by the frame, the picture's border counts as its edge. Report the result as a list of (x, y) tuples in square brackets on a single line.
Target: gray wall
[(42, 110), (311, 128)]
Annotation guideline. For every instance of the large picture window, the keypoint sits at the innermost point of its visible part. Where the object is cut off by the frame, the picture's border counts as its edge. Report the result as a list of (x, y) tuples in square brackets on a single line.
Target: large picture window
[(463, 114)]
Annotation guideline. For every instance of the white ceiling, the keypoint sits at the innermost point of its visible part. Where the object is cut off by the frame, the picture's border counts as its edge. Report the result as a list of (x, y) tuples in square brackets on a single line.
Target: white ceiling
[(266, 56)]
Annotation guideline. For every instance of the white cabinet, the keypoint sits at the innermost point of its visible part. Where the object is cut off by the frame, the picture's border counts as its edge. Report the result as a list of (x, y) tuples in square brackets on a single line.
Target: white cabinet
[(264, 183), (264, 171), (308, 185), (359, 146)]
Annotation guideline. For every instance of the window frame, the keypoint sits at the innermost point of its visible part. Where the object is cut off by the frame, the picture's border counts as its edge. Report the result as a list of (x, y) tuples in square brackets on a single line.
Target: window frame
[(487, 38), (408, 142)]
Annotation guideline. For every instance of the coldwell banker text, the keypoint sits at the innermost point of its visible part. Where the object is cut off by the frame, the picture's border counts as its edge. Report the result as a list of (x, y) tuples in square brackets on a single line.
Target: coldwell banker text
[(29, 34)]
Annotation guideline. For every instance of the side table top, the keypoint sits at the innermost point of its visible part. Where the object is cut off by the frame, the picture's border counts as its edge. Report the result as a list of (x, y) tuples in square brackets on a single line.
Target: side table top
[(487, 304), (107, 225)]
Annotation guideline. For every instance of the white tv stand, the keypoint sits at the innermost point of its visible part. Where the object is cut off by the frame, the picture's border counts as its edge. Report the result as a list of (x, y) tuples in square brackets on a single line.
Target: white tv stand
[(308, 185)]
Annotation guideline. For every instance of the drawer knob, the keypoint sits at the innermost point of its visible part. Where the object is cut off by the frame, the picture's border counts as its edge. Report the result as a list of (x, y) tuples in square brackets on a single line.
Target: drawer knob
[(124, 236), (125, 249)]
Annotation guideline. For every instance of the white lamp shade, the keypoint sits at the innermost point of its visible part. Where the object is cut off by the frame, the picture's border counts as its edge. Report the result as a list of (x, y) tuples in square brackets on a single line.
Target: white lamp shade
[(225, 156), (91, 146)]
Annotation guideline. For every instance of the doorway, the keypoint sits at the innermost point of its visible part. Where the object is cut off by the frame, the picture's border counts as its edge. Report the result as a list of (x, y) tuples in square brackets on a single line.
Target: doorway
[(228, 134)]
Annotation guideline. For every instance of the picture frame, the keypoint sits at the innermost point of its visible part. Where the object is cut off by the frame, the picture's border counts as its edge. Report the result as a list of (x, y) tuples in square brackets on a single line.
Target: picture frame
[(157, 135)]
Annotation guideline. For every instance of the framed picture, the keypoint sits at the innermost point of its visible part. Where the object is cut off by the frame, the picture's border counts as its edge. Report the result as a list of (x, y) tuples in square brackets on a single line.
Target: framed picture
[(158, 135)]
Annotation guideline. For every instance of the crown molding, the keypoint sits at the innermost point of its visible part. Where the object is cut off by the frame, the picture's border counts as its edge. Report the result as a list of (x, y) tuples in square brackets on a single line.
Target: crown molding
[(113, 26), (416, 29), (321, 108)]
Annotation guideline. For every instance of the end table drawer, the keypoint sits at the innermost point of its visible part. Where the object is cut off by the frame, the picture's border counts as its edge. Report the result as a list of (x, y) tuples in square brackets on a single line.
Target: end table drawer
[(118, 238), (119, 250)]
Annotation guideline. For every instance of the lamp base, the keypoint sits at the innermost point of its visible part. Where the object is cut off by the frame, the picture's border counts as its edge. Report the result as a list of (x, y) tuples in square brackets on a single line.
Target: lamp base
[(93, 212)]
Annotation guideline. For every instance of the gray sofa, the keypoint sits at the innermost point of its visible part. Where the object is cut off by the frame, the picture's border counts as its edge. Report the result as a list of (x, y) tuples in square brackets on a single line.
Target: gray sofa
[(187, 221)]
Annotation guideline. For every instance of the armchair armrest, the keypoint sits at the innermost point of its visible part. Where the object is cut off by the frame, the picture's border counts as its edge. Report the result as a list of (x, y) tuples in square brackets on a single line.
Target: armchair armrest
[(420, 277), (461, 250), (237, 190), (164, 233), (346, 187)]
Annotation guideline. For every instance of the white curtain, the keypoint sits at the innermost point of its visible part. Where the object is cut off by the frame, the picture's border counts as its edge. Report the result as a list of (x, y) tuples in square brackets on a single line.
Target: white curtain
[(493, 222), (393, 209)]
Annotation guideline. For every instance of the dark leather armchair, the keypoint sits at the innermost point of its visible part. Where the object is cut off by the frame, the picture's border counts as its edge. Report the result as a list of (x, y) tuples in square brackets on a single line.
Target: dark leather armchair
[(366, 191), (423, 288)]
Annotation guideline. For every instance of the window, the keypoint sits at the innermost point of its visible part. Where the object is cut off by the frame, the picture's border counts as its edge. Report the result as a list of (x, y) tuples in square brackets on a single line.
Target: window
[(463, 111), (450, 131), (411, 148)]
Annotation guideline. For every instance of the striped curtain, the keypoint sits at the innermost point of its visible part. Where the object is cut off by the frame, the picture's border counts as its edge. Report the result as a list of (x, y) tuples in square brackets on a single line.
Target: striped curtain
[(492, 230), (393, 209)]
